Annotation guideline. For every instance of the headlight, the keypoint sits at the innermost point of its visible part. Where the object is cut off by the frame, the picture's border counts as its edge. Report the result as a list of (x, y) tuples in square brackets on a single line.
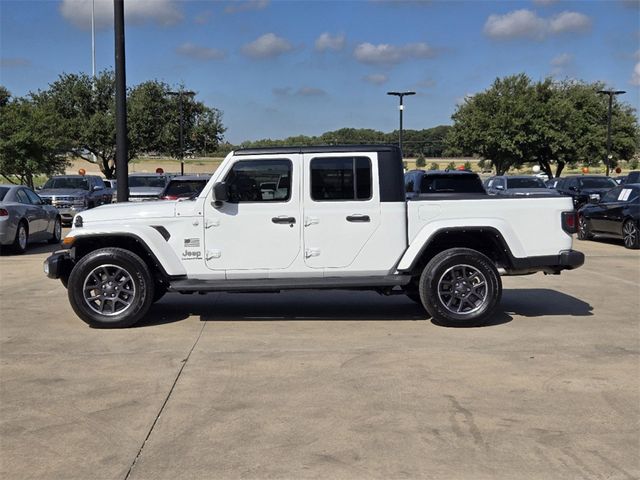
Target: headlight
[(594, 196), (79, 201)]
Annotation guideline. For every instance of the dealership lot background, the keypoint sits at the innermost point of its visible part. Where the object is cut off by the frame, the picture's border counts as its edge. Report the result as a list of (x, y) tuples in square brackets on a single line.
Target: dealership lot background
[(326, 384)]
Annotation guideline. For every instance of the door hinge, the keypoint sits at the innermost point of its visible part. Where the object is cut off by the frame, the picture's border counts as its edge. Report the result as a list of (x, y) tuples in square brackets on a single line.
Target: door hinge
[(311, 252), (311, 221), (213, 254), (211, 222)]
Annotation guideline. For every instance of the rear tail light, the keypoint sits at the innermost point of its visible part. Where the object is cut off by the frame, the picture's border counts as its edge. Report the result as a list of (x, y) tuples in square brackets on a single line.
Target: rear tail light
[(570, 222), (4, 212), (169, 197)]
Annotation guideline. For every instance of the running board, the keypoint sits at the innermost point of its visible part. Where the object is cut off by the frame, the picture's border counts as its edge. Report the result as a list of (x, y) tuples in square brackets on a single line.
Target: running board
[(277, 284)]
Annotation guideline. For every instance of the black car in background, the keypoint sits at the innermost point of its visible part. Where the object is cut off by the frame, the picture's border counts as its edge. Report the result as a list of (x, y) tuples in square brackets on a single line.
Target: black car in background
[(616, 214), (421, 183), (518, 186), (184, 186), (583, 188)]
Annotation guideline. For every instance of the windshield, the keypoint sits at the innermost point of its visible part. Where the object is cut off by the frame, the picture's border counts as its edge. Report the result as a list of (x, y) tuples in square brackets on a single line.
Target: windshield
[(3, 192), (525, 183), (458, 183), (601, 182), (75, 183), (151, 181)]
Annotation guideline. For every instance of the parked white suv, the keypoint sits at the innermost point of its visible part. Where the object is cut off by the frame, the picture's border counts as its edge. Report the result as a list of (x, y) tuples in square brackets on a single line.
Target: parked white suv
[(308, 218)]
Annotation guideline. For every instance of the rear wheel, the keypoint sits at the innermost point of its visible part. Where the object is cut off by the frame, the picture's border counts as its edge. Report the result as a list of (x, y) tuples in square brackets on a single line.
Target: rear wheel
[(583, 229), (460, 287), (22, 238), (630, 234), (110, 288)]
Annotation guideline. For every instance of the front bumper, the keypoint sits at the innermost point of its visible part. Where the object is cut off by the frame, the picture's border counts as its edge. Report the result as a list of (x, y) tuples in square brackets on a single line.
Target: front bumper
[(67, 214), (58, 265)]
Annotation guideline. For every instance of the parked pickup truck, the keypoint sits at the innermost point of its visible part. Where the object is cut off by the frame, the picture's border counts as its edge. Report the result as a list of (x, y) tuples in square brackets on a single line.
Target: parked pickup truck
[(72, 194), (312, 218)]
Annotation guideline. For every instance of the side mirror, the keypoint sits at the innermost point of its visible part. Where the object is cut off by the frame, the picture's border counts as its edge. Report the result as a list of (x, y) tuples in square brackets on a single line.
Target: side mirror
[(220, 194), (594, 199), (38, 188), (499, 187)]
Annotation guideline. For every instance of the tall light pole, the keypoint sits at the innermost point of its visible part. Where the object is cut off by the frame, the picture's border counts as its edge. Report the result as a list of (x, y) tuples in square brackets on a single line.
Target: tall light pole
[(401, 107), (122, 167), (93, 39), (611, 94), (180, 94)]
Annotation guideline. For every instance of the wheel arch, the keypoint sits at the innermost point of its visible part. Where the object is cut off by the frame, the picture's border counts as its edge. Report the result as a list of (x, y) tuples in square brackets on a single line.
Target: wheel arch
[(486, 240)]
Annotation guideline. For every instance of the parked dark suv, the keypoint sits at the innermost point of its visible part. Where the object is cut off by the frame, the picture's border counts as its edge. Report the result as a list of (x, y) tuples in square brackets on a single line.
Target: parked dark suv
[(72, 194), (421, 183), (583, 188), (517, 186)]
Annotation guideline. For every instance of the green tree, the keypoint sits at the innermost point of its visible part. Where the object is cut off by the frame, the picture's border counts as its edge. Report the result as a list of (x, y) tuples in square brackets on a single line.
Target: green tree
[(420, 161), (451, 166), (32, 141), (494, 123), (434, 166)]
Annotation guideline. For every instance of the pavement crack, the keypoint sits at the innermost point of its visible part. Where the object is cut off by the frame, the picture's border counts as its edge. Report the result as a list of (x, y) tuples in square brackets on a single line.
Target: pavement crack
[(164, 404)]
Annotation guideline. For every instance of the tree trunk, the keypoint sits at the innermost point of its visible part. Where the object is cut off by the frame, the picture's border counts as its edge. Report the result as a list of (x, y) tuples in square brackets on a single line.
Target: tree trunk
[(544, 164), (559, 168)]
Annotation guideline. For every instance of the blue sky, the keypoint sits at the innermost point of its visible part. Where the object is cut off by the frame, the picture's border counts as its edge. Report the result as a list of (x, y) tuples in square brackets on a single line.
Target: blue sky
[(282, 68)]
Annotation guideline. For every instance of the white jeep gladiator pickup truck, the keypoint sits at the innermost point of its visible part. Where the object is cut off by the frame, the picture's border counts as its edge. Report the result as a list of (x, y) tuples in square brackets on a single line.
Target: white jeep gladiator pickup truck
[(330, 217)]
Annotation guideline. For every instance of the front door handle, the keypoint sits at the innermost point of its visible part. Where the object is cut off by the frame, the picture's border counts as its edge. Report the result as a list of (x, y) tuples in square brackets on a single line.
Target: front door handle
[(283, 219), (358, 218)]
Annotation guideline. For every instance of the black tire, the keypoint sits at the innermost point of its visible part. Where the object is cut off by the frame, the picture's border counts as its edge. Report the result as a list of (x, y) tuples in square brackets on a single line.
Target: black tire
[(22, 238), (57, 231), (123, 298), (630, 234), (584, 233), (460, 287)]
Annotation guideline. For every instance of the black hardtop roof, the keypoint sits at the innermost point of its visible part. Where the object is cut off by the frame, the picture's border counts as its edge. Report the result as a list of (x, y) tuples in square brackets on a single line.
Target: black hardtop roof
[(317, 149)]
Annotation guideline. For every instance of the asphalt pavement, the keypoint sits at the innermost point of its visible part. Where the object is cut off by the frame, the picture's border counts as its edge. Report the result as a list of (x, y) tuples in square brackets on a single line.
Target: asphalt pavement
[(344, 385)]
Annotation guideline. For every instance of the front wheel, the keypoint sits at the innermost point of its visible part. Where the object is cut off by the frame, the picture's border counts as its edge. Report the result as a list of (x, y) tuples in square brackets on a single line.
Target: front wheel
[(110, 288), (57, 231), (630, 234), (460, 287)]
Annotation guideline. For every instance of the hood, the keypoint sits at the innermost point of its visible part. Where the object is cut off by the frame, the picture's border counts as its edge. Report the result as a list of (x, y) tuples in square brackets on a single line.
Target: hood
[(532, 191), (119, 212), (63, 192), (587, 191)]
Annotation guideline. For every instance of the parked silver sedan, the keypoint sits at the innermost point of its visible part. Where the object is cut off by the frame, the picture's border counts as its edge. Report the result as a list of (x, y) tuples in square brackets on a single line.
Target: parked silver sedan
[(25, 218)]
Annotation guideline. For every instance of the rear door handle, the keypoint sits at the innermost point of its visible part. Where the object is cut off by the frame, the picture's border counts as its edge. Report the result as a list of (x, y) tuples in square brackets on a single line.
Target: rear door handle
[(358, 218), (283, 219)]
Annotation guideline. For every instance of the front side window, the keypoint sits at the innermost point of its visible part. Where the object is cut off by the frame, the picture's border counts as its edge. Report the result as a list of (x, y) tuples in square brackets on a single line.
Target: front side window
[(341, 178), (259, 181)]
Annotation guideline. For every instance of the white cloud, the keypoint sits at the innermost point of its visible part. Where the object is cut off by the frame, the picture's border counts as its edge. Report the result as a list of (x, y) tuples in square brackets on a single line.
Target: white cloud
[(527, 24), (200, 53), (160, 12), (385, 54), (569, 22), (268, 45), (14, 62), (376, 78), (239, 6), (301, 92), (516, 24), (635, 76), (562, 60), (326, 41)]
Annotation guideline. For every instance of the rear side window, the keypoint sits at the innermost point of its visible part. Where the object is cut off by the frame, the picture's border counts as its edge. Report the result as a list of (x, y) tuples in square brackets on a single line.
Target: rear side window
[(22, 197), (259, 181), (341, 178)]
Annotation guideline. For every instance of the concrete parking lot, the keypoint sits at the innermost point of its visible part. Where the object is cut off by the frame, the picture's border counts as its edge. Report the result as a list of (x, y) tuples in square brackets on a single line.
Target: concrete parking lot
[(326, 384)]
